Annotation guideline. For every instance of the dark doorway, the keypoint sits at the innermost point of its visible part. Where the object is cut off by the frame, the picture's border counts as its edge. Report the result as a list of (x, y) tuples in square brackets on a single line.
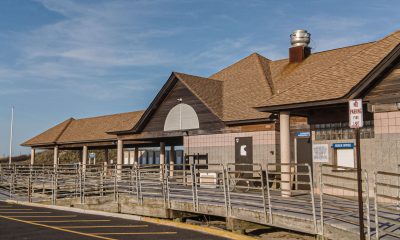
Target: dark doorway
[(303, 155), (244, 153)]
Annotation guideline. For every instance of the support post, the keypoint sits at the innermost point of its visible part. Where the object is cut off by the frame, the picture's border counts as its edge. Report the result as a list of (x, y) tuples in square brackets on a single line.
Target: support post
[(55, 157), (284, 124), (120, 155), (162, 153), (33, 151), (106, 156), (172, 161), (162, 158), (136, 156), (84, 157)]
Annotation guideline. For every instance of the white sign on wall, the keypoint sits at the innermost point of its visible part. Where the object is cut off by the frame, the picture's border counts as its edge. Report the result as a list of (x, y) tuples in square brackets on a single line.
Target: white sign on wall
[(320, 153), (355, 113)]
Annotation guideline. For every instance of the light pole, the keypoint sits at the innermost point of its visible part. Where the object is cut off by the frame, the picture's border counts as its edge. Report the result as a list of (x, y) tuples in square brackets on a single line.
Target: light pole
[(11, 135)]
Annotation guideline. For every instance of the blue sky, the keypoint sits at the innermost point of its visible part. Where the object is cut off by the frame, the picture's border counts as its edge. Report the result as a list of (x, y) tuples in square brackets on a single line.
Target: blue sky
[(83, 58)]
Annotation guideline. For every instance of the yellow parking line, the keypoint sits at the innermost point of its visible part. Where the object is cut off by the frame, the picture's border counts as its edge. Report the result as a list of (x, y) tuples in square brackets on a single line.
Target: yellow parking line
[(24, 212), (66, 221), (13, 209), (126, 226), (137, 233), (58, 228), (22, 216)]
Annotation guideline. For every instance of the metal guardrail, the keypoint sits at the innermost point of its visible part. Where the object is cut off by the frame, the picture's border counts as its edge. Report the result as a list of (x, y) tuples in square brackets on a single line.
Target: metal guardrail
[(231, 186), (387, 204), (338, 196), (300, 199)]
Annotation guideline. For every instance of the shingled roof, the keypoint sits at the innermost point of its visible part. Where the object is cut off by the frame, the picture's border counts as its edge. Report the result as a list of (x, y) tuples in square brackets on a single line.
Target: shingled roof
[(86, 130), (255, 81), (327, 75), (232, 93)]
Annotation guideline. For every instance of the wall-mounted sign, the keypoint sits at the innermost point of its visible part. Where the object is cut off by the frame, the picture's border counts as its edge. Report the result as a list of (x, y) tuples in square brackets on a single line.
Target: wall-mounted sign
[(320, 153), (355, 113), (343, 145), (302, 134)]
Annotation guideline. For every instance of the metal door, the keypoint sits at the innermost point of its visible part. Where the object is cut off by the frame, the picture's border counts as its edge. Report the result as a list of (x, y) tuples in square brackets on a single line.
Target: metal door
[(303, 155), (244, 153)]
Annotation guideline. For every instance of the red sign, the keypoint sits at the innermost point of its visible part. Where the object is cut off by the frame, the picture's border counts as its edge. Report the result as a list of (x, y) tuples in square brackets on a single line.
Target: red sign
[(355, 113)]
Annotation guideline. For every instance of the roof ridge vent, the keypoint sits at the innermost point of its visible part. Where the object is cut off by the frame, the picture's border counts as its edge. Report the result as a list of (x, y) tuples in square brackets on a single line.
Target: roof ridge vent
[(300, 38), (299, 49)]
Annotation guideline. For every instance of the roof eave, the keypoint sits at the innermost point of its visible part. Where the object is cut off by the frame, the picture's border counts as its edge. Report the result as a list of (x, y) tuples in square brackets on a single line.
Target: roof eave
[(249, 121), (288, 107)]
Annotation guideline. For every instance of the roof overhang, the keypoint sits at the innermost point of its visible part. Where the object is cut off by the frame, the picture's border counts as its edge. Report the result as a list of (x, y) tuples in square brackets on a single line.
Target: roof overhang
[(357, 91), (250, 121)]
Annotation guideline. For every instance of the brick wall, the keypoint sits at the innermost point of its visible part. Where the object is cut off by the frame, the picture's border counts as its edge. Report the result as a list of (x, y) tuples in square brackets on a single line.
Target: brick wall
[(221, 147)]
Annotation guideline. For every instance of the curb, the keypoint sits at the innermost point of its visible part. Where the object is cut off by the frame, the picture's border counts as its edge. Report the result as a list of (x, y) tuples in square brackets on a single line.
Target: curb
[(202, 229), (79, 210)]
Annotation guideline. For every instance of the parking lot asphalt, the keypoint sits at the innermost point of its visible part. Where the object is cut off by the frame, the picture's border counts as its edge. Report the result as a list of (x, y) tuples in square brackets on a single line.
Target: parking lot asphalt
[(25, 222)]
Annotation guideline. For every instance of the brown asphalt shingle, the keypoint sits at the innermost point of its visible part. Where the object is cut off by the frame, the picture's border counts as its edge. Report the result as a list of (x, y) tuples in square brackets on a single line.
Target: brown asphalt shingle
[(333, 79), (207, 90), (246, 84), (86, 129), (50, 136)]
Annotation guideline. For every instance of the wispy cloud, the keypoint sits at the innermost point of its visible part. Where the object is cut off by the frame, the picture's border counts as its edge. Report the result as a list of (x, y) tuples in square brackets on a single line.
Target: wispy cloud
[(87, 46)]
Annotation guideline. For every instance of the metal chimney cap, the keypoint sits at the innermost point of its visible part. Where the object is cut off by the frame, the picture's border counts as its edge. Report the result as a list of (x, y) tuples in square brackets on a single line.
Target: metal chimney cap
[(300, 38)]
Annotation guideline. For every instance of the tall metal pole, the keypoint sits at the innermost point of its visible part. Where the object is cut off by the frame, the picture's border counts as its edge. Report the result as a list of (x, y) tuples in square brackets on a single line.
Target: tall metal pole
[(11, 135), (359, 186)]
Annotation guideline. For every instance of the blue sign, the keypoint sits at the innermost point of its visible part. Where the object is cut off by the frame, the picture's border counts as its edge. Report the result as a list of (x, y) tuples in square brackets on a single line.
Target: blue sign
[(343, 145), (302, 134)]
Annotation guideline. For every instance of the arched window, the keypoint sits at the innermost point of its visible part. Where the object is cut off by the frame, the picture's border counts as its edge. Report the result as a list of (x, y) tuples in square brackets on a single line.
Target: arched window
[(181, 117)]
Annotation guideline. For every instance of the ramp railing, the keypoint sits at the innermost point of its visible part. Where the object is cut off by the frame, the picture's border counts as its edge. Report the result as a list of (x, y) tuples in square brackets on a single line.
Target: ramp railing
[(387, 205), (338, 197), (299, 199), (127, 182), (237, 190), (67, 181), (210, 186), (151, 181), (246, 188), (180, 184)]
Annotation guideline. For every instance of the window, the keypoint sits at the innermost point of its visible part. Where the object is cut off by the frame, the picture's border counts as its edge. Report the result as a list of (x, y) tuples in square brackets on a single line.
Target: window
[(341, 130), (181, 117)]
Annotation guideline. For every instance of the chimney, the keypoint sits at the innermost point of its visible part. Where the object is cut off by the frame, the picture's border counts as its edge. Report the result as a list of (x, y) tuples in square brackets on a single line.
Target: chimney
[(299, 49)]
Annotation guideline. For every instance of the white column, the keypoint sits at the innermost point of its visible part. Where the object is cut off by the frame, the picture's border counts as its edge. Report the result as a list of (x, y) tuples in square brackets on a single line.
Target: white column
[(120, 154), (136, 156), (284, 125), (33, 151), (162, 159), (162, 153), (171, 161), (106, 155), (55, 158), (84, 157)]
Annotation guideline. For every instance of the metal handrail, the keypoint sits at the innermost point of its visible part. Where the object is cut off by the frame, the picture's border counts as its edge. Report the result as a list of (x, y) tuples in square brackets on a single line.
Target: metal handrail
[(232, 186)]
